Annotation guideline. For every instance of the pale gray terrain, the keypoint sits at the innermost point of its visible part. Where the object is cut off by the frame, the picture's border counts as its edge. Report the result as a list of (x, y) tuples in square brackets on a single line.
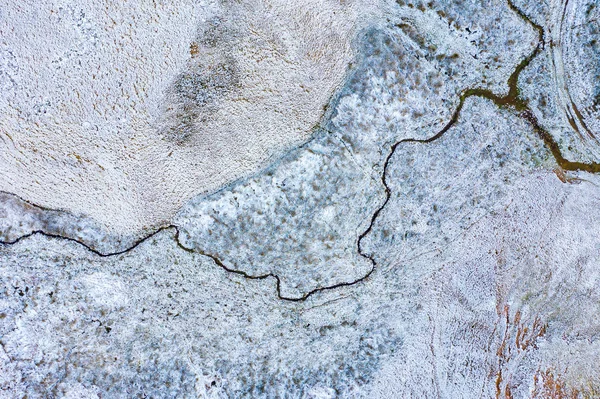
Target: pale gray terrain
[(323, 199)]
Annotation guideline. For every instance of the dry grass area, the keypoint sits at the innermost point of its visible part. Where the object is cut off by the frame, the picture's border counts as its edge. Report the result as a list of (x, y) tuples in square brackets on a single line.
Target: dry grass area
[(551, 386)]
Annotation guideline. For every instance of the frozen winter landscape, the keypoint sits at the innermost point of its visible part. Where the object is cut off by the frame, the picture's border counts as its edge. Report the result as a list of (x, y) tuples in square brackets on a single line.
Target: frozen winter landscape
[(300, 199)]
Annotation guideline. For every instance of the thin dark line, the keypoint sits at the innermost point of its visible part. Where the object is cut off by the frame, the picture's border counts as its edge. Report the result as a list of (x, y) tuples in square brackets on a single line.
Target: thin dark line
[(512, 100)]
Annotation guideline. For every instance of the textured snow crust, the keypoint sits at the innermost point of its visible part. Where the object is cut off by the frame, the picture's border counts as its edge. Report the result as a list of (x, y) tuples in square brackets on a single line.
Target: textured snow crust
[(123, 112), (468, 264)]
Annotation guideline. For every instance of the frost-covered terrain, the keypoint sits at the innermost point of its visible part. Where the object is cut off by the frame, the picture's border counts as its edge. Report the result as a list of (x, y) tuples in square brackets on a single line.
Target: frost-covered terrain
[(322, 199)]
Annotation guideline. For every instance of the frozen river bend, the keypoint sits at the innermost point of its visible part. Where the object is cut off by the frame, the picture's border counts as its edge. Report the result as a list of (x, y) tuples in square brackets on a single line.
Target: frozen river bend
[(317, 200)]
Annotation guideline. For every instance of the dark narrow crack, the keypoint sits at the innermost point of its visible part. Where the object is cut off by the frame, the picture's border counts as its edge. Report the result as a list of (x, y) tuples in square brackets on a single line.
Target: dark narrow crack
[(215, 259), (512, 100)]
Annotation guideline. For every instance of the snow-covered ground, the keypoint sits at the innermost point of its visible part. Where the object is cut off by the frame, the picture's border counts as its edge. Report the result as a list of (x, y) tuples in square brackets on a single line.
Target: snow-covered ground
[(355, 237)]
